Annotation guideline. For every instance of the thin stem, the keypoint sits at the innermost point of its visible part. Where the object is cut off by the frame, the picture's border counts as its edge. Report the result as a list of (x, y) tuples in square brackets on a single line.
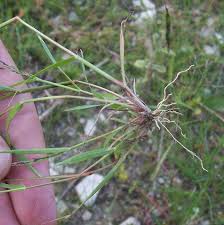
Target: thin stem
[(73, 97), (63, 86)]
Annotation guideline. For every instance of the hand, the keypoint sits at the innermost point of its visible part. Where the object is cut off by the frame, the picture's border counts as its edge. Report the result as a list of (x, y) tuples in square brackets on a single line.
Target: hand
[(37, 205)]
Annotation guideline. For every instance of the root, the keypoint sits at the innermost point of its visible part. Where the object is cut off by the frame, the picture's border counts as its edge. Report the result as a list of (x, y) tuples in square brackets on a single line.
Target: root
[(165, 96), (188, 150), (159, 115)]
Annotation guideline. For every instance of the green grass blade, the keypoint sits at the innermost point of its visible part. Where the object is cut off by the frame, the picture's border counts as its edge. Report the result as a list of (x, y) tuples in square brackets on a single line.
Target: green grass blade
[(82, 107), (37, 151), (86, 156), (14, 187), (54, 65), (23, 158), (12, 113), (53, 60), (6, 88)]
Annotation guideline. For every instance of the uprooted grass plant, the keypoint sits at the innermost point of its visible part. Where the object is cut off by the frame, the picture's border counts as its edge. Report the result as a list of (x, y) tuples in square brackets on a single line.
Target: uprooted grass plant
[(139, 120)]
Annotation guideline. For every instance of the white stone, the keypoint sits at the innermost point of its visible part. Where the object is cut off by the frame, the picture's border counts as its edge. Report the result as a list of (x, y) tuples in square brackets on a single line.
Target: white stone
[(211, 50), (87, 215), (205, 222), (55, 170), (146, 3), (161, 180), (131, 221), (61, 206), (148, 13), (72, 17), (87, 186), (69, 170), (220, 38), (90, 127)]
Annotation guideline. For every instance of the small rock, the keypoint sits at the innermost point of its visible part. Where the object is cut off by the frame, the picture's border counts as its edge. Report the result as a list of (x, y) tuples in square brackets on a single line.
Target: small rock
[(209, 29), (71, 131), (87, 215), (177, 181), (82, 120), (72, 17), (57, 21), (220, 38), (131, 221), (205, 222), (61, 206), (55, 170), (211, 50), (87, 186), (90, 127), (69, 170), (148, 13), (65, 56), (161, 180)]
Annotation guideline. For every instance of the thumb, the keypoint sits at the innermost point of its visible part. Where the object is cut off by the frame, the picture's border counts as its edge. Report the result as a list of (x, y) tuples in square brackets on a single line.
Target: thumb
[(5, 159)]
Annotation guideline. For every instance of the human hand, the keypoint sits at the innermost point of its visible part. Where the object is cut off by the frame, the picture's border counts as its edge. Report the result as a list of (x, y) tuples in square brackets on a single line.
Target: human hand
[(34, 206)]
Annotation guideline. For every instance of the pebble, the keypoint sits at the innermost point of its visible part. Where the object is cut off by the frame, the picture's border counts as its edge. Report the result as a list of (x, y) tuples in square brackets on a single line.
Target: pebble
[(211, 50), (161, 180), (148, 13), (72, 17), (87, 215), (205, 222), (90, 127), (86, 186), (69, 170), (61, 206), (131, 221)]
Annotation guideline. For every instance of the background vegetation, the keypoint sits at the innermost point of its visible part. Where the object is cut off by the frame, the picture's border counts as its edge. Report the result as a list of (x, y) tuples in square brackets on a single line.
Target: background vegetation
[(191, 32)]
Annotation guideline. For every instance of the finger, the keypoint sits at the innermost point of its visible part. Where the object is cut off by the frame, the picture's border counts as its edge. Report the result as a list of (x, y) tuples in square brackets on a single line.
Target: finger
[(7, 214), (37, 205), (5, 159)]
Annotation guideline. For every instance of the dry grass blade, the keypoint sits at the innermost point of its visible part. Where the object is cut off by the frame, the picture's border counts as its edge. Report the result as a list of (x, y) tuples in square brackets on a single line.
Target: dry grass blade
[(122, 51)]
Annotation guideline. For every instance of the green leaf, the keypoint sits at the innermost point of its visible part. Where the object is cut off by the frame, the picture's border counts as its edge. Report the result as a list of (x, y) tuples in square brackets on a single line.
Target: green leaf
[(117, 107), (141, 63), (46, 49), (82, 107), (159, 68), (105, 96), (6, 88), (14, 187), (54, 65), (86, 156), (215, 102), (23, 158), (53, 60), (12, 113), (37, 151)]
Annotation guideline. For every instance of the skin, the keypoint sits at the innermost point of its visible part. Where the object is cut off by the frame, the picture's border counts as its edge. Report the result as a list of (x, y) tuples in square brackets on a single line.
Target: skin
[(35, 206)]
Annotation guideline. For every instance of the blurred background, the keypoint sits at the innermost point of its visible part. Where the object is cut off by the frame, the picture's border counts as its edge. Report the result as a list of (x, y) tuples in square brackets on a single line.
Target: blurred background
[(159, 183)]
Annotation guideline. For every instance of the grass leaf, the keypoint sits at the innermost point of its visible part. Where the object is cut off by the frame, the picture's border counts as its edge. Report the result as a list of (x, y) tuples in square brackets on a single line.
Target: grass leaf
[(14, 187), (86, 156), (12, 113), (53, 60), (82, 107)]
